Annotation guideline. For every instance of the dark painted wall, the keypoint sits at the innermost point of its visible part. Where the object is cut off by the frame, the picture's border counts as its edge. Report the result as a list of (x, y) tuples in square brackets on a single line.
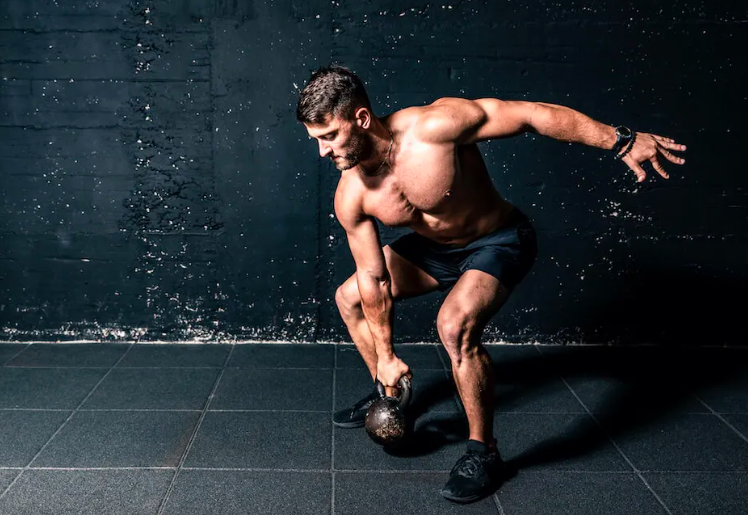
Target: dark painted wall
[(156, 186)]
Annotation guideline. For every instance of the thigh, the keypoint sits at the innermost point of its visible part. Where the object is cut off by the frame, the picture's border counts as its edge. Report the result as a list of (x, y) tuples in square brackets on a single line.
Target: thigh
[(475, 299), (406, 279)]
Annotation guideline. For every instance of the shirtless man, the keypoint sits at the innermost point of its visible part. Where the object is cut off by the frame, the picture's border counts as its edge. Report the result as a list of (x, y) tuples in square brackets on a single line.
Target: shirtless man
[(420, 168)]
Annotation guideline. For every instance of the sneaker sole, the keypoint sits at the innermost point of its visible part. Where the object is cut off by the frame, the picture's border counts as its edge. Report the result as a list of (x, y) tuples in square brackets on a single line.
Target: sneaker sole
[(348, 425), (463, 500)]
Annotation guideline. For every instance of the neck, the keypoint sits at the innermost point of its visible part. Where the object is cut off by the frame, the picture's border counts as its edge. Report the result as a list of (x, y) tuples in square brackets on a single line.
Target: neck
[(382, 142)]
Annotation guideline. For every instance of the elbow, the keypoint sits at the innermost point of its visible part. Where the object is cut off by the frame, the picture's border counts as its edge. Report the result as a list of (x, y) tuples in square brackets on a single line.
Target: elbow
[(380, 277), (374, 287)]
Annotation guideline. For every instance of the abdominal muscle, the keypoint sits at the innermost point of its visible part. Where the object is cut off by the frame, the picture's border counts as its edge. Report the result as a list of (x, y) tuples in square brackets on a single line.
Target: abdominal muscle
[(459, 229), (454, 221)]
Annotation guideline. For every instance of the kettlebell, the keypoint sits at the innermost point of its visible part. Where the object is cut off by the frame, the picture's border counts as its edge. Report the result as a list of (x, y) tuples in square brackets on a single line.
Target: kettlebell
[(385, 419)]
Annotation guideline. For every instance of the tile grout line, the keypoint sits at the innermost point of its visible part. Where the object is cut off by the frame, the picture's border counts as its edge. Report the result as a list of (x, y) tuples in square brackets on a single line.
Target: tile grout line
[(332, 436), (28, 465), (498, 503), (14, 356), (393, 471), (33, 409), (149, 410), (618, 448), (84, 469), (495, 495), (132, 367), (721, 418), (158, 410), (172, 368), (188, 447)]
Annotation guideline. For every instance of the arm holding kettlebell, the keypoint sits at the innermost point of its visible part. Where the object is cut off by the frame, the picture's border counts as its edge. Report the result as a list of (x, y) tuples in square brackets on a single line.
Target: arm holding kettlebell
[(374, 284)]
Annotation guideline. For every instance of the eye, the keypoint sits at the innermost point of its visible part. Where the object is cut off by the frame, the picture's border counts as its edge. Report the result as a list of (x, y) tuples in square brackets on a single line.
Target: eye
[(329, 137)]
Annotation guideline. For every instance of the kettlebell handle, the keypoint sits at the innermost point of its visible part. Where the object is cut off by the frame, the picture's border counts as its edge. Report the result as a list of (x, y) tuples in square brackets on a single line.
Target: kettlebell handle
[(404, 398)]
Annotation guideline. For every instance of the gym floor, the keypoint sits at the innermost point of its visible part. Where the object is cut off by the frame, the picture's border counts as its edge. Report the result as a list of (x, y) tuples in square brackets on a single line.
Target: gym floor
[(237, 429)]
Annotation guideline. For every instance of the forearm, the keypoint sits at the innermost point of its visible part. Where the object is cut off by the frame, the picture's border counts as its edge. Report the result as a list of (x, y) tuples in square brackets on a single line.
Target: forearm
[(376, 302), (566, 124)]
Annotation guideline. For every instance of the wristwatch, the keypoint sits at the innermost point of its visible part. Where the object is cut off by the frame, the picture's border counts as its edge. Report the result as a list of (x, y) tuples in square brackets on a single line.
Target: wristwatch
[(623, 136)]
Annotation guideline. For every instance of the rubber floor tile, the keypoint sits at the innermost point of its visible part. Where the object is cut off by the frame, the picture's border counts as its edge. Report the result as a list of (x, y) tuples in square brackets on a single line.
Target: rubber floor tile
[(702, 493), (272, 440), (120, 439), (684, 443), (154, 388), (70, 355), (47, 388), (577, 493), (274, 389), (398, 494), (279, 355), (219, 492), (87, 492), (24, 433), (184, 355)]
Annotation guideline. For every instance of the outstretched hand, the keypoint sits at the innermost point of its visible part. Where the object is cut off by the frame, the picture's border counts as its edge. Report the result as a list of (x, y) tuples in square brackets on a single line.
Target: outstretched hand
[(646, 148)]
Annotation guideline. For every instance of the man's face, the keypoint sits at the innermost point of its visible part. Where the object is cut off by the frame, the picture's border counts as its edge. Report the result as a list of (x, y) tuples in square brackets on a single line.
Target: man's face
[(341, 140)]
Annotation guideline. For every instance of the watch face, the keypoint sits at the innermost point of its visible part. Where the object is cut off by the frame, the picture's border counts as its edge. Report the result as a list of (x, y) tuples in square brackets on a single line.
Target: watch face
[(624, 132)]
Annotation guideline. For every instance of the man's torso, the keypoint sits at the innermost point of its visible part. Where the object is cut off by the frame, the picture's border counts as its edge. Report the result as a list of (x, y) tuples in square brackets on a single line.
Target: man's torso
[(441, 191)]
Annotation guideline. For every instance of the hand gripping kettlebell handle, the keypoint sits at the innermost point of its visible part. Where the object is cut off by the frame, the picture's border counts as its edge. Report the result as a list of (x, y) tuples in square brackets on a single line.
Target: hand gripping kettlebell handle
[(405, 388)]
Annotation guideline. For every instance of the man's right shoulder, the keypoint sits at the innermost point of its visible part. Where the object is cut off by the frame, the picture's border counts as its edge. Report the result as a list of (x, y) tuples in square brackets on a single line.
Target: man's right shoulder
[(349, 196)]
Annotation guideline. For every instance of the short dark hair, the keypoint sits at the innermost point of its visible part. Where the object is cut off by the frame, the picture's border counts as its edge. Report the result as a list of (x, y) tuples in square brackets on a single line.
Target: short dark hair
[(331, 90)]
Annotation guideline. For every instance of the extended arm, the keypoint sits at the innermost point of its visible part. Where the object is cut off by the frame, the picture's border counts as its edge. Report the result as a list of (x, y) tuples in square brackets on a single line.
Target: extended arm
[(467, 121), (374, 284)]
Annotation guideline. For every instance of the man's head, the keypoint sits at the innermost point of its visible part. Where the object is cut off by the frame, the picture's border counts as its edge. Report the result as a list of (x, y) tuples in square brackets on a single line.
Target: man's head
[(336, 111)]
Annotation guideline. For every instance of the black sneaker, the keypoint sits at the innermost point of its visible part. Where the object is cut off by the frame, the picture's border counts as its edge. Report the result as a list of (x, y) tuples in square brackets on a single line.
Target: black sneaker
[(478, 473), (356, 415)]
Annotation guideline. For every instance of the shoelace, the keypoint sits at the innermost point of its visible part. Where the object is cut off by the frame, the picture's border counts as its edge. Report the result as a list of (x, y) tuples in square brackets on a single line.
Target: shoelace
[(469, 465)]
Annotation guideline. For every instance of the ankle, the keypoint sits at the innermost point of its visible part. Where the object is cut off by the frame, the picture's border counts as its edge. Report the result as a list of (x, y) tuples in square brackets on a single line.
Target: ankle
[(488, 445), (489, 442)]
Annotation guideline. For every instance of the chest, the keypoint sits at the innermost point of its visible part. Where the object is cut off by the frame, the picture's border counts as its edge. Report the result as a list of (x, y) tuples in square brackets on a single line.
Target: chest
[(425, 180)]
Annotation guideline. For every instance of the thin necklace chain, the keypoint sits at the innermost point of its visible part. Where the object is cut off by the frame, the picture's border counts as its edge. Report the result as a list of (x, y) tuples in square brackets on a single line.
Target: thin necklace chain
[(392, 140)]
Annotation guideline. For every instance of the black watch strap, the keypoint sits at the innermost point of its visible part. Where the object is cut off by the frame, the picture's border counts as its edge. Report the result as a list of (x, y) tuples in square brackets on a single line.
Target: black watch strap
[(628, 148), (623, 136)]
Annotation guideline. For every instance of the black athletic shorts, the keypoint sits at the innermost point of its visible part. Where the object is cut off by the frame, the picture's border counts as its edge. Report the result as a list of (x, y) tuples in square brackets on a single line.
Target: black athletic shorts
[(507, 253)]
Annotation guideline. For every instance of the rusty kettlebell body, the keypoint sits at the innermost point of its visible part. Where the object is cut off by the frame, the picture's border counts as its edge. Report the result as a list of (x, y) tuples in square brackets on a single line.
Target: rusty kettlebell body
[(385, 421)]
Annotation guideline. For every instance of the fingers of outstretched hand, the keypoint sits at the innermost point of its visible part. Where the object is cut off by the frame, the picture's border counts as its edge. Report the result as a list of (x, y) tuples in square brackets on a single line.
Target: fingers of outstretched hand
[(668, 143), (658, 167), (671, 157)]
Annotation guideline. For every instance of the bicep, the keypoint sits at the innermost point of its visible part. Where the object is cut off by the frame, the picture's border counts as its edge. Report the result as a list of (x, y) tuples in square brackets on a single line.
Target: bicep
[(504, 118), (366, 248), (466, 121)]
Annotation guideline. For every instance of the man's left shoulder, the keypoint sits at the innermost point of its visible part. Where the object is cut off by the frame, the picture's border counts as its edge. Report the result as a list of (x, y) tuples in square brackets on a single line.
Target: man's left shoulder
[(441, 121)]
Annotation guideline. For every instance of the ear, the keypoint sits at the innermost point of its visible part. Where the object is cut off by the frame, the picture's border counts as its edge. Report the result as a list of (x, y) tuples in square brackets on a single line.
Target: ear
[(363, 117)]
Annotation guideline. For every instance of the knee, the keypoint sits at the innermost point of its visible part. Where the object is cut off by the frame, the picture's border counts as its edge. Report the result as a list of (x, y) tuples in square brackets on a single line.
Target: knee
[(457, 331), (347, 299)]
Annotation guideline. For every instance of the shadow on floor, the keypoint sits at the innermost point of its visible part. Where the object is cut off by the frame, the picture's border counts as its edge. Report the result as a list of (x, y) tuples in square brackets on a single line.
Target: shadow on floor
[(650, 384)]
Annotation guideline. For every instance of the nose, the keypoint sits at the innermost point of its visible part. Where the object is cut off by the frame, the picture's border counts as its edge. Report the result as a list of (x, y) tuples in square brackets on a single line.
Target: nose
[(324, 150)]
